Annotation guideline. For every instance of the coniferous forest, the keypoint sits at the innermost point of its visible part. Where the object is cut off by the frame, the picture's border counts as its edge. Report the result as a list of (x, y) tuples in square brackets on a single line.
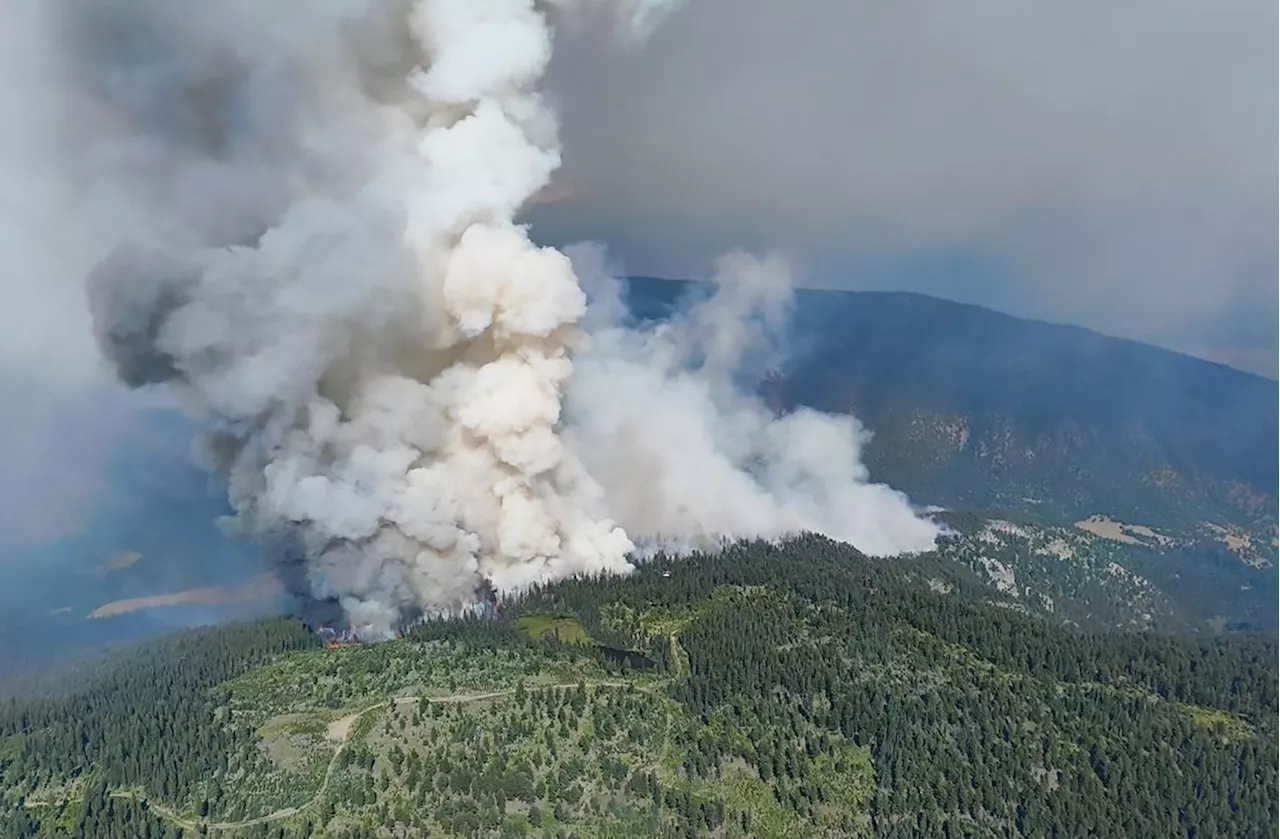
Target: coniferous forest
[(798, 689)]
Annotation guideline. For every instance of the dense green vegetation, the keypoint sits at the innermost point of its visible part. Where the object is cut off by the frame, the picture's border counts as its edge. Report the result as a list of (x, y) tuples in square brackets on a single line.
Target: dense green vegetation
[(149, 719), (799, 690)]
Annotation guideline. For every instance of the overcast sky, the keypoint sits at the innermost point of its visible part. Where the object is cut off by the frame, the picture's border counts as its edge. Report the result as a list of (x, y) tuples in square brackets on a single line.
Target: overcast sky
[(1105, 163)]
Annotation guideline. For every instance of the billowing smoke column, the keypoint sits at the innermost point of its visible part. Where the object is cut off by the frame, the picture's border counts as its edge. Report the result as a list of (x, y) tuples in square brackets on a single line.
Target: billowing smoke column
[(688, 456), (328, 266)]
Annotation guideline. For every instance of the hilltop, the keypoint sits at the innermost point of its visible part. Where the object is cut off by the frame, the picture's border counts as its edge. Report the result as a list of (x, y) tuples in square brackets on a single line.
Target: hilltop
[(769, 691)]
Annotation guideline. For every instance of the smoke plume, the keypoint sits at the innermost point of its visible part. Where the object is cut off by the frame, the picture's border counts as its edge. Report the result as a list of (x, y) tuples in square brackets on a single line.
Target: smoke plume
[(667, 420), (324, 257)]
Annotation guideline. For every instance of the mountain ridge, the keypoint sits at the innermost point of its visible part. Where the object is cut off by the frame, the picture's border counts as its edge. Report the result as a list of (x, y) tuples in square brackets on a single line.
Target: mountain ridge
[(802, 292)]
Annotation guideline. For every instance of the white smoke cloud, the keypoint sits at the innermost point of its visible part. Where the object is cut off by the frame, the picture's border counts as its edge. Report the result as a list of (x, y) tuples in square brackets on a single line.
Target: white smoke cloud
[(633, 20), (687, 458), (319, 247)]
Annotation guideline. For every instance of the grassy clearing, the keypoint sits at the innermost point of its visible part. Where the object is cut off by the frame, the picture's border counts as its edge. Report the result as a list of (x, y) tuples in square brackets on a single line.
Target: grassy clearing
[(559, 628), (1220, 723), (296, 741), (663, 626), (53, 795)]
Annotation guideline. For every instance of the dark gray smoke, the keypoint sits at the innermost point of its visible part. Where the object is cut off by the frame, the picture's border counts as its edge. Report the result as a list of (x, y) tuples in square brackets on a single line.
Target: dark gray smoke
[(131, 294)]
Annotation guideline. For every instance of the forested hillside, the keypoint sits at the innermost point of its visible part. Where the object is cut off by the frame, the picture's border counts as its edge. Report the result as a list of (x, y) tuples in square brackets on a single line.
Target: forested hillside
[(793, 690)]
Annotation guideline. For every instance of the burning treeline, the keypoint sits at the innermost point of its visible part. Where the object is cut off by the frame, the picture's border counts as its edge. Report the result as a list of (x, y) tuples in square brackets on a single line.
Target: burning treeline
[(486, 605), (319, 248)]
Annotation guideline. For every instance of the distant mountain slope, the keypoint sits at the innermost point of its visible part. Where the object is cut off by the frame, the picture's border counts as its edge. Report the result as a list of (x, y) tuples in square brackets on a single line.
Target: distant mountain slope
[(1144, 480), (976, 408), (1083, 422)]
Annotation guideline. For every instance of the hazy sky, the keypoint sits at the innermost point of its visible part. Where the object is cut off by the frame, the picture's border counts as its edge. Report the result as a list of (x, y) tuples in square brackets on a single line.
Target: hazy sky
[(1099, 162), (1110, 164)]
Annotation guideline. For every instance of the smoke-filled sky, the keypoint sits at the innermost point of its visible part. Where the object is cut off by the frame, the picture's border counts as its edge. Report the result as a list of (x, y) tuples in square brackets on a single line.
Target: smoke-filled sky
[(1102, 163), (1110, 164)]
